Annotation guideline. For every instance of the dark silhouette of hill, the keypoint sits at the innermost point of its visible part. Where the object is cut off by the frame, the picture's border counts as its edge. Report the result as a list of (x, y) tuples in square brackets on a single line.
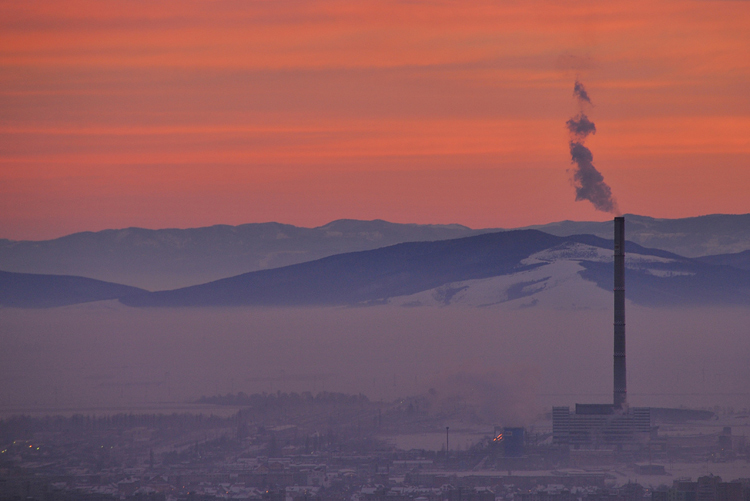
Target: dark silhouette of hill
[(370, 277), (657, 277), (690, 283), (739, 260), (26, 290), (175, 258), (360, 277)]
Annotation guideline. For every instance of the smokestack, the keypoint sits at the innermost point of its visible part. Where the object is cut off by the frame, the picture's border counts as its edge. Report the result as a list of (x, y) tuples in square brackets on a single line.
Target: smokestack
[(620, 382)]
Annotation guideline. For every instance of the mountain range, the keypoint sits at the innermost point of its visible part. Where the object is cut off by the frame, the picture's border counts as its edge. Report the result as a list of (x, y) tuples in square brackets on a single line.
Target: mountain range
[(690, 236), (176, 258), (519, 268), (171, 258), (526, 262)]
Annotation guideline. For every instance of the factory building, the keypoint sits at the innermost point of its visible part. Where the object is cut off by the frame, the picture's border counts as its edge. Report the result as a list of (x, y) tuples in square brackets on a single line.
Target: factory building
[(615, 424), (600, 426)]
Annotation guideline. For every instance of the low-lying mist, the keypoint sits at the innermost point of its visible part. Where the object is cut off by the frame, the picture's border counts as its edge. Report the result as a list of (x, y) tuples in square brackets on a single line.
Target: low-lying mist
[(510, 365)]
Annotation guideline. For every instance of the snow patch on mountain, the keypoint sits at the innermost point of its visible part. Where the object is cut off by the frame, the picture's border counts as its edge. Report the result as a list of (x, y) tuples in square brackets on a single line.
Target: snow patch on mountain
[(574, 251), (556, 285), (669, 273)]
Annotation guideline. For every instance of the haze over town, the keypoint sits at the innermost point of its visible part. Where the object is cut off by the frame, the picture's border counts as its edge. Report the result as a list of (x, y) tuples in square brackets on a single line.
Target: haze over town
[(375, 250)]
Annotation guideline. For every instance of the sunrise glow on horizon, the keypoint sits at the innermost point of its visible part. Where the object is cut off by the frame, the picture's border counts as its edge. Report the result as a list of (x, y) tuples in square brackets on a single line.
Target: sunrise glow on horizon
[(184, 114)]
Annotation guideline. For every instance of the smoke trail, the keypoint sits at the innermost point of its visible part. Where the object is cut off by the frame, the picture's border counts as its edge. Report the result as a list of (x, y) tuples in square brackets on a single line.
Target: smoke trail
[(589, 182), (580, 92), (580, 126)]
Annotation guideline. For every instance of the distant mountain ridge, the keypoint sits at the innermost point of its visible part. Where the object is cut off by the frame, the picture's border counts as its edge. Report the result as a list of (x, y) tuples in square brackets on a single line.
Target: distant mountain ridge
[(26, 290), (526, 258), (176, 258), (689, 237), (359, 277), (171, 258), (519, 267)]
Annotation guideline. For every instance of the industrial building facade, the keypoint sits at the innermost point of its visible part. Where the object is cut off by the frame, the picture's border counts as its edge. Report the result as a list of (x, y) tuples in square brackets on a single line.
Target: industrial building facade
[(600, 426)]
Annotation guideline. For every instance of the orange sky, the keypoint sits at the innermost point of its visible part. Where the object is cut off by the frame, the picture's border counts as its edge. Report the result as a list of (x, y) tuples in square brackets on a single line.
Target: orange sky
[(179, 114)]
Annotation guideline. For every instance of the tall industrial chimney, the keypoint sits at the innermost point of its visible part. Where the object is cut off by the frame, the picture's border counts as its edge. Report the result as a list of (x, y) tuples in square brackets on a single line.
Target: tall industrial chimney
[(620, 383)]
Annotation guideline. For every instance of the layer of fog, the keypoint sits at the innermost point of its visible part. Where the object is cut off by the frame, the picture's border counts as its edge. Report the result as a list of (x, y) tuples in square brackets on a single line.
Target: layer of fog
[(510, 364)]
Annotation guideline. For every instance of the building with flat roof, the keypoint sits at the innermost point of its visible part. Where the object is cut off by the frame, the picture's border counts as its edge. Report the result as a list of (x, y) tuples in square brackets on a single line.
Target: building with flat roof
[(600, 426)]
